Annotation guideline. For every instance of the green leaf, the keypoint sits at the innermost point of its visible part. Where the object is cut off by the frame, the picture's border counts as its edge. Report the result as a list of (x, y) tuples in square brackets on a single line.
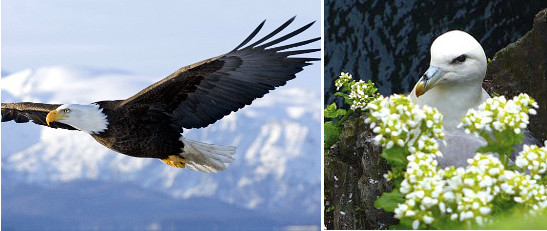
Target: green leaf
[(330, 111), (494, 147), (341, 112), (343, 95), (404, 224), (397, 181), (502, 143), (395, 156), (332, 134), (347, 86), (389, 201)]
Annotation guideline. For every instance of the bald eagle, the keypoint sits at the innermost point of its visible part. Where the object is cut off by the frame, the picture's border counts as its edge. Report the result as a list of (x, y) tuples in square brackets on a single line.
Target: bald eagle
[(150, 123)]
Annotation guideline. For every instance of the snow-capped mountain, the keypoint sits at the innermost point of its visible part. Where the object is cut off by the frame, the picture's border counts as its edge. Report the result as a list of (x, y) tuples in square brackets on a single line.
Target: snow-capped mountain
[(277, 164)]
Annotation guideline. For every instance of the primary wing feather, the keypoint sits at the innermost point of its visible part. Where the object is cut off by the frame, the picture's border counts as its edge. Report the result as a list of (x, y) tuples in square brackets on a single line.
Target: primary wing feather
[(35, 112), (202, 93)]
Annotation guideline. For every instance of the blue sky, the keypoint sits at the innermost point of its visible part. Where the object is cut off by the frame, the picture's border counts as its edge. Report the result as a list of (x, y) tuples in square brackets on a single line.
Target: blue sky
[(152, 38)]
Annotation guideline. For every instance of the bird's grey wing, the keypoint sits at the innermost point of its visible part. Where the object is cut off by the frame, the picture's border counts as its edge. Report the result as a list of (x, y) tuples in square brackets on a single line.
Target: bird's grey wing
[(35, 112), (457, 147), (202, 93)]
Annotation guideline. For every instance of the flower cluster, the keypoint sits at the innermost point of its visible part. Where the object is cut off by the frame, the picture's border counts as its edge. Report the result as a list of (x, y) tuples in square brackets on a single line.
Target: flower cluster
[(500, 114), (362, 93), (423, 187), (463, 195), (399, 122), (501, 123), (524, 190), (356, 94), (343, 79), (470, 191), (533, 159)]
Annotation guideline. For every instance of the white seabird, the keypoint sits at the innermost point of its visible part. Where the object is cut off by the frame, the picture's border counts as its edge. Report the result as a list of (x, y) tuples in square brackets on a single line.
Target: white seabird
[(453, 85)]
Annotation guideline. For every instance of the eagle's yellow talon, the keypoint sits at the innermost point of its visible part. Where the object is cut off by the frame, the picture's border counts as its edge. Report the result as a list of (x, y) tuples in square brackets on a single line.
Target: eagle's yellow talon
[(175, 161)]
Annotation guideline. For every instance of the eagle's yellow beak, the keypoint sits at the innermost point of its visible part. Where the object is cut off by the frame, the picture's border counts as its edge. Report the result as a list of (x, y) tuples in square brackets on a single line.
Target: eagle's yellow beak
[(53, 116)]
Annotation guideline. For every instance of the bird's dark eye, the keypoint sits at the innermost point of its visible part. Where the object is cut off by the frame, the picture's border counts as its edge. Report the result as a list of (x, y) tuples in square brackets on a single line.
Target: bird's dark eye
[(66, 110), (460, 59)]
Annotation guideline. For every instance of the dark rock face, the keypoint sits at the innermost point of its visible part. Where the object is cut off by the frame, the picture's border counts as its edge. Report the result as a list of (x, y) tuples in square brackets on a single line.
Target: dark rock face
[(354, 168), (522, 67), (388, 41), (354, 180)]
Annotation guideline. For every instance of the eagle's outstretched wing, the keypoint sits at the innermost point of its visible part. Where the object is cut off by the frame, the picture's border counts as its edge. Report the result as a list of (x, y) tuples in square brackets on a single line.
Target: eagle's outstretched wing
[(202, 93), (37, 112)]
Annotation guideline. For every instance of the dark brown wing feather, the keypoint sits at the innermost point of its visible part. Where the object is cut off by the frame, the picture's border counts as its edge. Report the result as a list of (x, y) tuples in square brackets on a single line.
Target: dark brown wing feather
[(202, 93), (25, 112)]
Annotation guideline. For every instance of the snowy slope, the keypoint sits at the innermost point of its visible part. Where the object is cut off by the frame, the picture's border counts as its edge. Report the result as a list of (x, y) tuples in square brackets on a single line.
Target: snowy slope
[(277, 166)]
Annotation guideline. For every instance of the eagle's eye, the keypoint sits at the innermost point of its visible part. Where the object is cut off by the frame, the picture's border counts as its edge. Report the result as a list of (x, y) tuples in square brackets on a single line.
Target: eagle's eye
[(460, 59), (66, 110)]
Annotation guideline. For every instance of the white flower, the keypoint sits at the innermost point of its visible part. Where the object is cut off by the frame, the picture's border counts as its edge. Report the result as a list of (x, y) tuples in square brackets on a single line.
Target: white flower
[(420, 194), (485, 210), (410, 213), (389, 144), (428, 202), (415, 224), (428, 219), (521, 162), (442, 207), (479, 220), (449, 196)]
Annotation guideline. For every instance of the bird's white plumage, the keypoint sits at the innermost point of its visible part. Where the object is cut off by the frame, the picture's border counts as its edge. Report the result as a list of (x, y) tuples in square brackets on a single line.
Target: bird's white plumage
[(457, 90), (460, 87), (88, 118)]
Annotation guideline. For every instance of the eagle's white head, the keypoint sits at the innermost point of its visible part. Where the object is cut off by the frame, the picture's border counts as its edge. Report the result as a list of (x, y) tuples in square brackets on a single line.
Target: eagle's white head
[(87, 118)]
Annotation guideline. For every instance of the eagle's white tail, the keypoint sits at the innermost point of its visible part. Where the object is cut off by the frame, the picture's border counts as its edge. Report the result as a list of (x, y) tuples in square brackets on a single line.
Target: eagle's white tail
[(207, 157)]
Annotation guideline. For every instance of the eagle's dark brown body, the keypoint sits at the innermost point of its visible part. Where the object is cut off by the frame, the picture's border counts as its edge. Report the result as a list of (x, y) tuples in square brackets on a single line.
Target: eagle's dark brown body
[(139, 131)]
